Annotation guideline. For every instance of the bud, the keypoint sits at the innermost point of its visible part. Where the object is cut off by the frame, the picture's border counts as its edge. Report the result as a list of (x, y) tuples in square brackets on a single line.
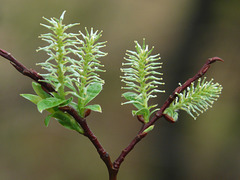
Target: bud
[(87, 113), (169, 118), (150, 128), (140, 118)]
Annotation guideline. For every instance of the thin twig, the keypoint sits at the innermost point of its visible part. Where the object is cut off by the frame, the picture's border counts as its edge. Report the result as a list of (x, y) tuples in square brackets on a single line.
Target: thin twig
[(159, 113), (88, 133), (82, 121), (25, 71)]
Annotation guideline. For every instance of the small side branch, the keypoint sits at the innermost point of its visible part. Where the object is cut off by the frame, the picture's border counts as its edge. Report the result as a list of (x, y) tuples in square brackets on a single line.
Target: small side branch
[(82, 121), (181, 88), (159, 113), (25, 71)]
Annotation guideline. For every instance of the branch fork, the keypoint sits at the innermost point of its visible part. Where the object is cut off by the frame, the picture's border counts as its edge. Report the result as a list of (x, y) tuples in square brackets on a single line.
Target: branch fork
[(113, 167)]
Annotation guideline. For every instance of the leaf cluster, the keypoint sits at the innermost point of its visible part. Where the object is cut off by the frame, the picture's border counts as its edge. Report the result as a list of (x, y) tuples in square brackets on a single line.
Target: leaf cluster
[(45, 101)]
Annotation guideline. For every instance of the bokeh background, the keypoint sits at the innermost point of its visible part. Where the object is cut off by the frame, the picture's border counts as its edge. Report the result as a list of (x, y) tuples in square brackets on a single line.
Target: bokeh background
[(185, 32)]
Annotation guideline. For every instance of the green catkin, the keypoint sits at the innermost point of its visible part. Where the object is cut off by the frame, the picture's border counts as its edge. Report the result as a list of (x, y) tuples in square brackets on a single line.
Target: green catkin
[(141, 79), (195, 99), (73, 76)]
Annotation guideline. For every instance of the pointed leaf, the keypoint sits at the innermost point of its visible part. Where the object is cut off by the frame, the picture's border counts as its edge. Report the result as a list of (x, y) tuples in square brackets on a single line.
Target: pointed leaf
[(131, 97), (74, 94), (31, 97), (143, 111), (49, 103), (93, 90), (39, 91), (74, 105), (95, 107), (47, 119), (66, 102), (67, 121), (150, 128)]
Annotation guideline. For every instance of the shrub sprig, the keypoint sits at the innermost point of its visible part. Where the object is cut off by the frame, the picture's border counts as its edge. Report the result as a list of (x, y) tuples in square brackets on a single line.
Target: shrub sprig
[(72, 69)]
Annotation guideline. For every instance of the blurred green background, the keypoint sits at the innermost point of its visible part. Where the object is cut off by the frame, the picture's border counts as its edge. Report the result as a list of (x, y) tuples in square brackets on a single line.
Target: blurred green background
[(185, 32)]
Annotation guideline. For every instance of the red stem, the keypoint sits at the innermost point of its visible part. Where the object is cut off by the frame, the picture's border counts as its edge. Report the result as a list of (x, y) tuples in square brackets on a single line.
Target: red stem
[(113, 168), (89, 134), (82, 121), (25, 71)]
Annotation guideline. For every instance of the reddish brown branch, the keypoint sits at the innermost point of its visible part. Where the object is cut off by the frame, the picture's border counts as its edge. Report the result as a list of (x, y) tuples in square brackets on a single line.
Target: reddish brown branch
[(82, 121), (25, 71), (113, 168), (159, 113)]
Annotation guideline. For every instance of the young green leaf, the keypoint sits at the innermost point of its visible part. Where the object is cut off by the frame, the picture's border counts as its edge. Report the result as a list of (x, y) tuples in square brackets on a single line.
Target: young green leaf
[(67, 121), (150, 128), (47, 119), (39, 91), (95, 107), (173, 114), (93, 90), (131, 97), (64, 119), (144, 111), (31, 97), (49, 103)]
